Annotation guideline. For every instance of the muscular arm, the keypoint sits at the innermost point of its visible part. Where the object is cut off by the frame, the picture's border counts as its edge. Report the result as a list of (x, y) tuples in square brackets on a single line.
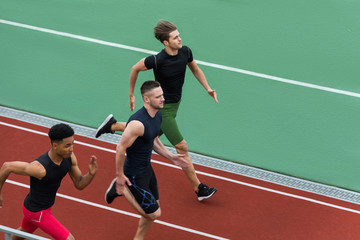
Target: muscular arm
[(139, 66), (133, 130), (161, 150), (177, 159), (200, 76), (33, 169), (81, 181)]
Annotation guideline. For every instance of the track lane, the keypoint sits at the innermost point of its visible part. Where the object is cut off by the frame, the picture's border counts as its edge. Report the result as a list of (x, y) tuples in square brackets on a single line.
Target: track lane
[(235, 212)]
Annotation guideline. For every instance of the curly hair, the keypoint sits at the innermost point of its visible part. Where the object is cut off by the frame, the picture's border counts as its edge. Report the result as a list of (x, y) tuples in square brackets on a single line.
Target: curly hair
[(60, 131)]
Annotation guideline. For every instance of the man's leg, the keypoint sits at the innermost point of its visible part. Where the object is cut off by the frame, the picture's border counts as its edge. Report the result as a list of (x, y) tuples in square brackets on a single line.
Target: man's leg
[(143, 195), (46, 222), (110, 125), (50, 225), (171, 130), (27, 225), (182, 148), (111, 193), (118, 126), (70, 237), (145, 223), (202, 191), (146, 220)]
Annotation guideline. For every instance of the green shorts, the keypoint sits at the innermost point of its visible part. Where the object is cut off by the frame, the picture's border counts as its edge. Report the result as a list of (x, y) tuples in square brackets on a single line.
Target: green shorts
[(169, 126)]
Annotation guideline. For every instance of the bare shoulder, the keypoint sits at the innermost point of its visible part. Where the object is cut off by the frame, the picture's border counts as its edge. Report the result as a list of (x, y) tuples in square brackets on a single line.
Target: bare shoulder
[(193, 65), (35, 165), (35, 169), (140, 65), (135, 127), (73, 159)]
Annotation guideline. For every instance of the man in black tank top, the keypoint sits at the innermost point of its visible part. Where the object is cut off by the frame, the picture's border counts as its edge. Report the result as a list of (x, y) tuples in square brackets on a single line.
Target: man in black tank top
[(46, 173), (169, 67), (134, 169)]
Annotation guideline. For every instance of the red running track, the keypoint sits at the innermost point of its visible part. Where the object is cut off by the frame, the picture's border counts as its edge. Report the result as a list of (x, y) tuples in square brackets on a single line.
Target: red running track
[(243, 208)]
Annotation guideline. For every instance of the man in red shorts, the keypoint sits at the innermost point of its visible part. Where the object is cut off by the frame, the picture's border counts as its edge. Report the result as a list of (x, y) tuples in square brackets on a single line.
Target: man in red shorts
[(46, 173)]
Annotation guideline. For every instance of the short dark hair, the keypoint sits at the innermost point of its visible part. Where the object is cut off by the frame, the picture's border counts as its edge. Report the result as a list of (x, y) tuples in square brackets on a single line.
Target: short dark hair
[(162, 30), (60, 131), (148, 86)]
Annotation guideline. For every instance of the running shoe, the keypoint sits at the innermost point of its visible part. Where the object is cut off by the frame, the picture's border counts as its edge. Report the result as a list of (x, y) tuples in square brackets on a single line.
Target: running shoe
[(105, 127), (111, 193), (205, 192)]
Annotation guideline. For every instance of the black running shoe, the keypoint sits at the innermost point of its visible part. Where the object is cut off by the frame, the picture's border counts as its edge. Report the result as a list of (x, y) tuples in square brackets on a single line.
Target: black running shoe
[(111, 193), (105, 127), (205, 192)]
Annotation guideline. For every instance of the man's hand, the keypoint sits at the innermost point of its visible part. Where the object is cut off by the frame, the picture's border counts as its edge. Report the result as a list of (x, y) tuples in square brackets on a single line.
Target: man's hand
[(179, 160), (132, 102), (120, 184), (212, 93), (93, 166)]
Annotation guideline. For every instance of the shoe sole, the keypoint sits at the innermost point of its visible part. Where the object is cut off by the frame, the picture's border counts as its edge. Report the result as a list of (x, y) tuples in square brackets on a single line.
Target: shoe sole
[(103, 124), (206, 197), (108, 190)]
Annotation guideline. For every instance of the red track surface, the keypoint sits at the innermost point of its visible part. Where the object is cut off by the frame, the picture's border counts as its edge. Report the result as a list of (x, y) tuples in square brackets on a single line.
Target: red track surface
[(236, 211)]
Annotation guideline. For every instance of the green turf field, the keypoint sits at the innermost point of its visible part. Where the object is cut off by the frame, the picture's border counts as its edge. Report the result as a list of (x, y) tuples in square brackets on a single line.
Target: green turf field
[(292, 129)]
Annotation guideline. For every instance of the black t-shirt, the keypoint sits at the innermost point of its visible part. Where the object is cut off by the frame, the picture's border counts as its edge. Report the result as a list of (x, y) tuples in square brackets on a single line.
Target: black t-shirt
[(170, 71), (43, 192), (138, 155)]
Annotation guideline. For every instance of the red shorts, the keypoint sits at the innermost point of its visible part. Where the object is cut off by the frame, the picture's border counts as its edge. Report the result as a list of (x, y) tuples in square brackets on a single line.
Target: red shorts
[(46, 222)]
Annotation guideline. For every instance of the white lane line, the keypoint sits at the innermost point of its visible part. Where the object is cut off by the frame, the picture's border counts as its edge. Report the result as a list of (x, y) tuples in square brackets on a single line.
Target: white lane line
[(79, 37), (213, 65), (279, 79), (124, 212), (208, 174), (45, 134)]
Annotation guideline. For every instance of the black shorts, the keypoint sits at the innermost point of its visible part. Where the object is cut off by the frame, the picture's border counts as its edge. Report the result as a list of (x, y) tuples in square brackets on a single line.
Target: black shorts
[(145, 190)]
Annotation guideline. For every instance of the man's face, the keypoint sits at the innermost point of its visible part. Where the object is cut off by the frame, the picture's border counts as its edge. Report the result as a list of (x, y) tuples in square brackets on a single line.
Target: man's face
[(65, 147), (156, 98), (174, 40)]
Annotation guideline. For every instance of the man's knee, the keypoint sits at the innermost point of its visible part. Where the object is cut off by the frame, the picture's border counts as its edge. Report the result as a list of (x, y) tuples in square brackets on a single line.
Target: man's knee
[(155, 215), (182, 146), (70, 237)]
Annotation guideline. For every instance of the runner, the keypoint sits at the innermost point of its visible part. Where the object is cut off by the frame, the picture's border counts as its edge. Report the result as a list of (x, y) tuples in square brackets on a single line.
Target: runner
[(46, 173), (169, 68), (134, 169)]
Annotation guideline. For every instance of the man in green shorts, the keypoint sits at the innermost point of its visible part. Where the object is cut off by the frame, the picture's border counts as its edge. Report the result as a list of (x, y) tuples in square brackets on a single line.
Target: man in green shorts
[(169, 68)]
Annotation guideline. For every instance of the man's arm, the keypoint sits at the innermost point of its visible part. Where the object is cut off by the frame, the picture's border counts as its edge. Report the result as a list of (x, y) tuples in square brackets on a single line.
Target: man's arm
[(81, 181), (200, 76), (177, 159), (34, 169), (139, 66), (133, 130)]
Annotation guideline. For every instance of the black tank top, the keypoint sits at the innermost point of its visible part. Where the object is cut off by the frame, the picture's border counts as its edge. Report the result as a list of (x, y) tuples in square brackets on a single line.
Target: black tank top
[(43, 192), (138, 155)]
